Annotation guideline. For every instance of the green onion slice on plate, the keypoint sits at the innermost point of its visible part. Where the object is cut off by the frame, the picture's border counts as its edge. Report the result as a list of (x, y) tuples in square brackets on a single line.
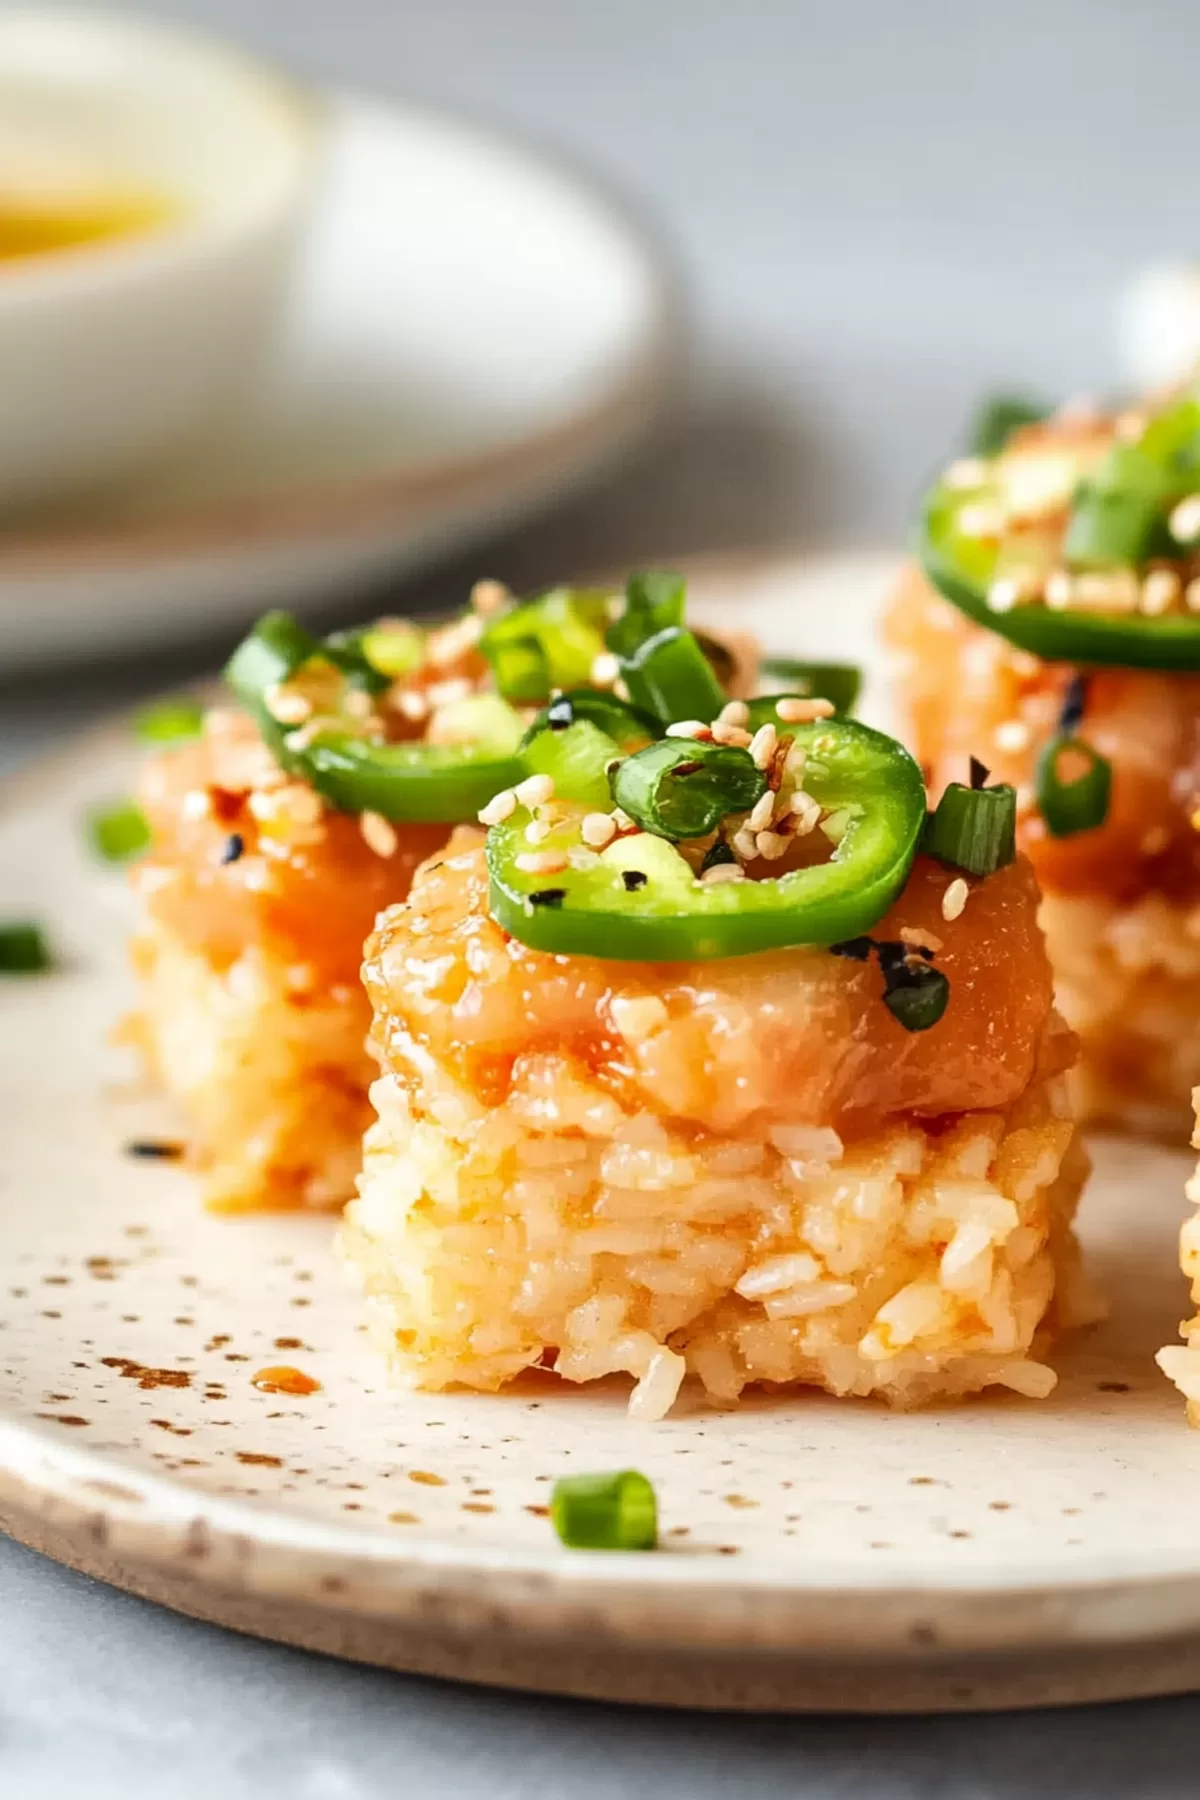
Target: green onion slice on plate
[(605, 1512)]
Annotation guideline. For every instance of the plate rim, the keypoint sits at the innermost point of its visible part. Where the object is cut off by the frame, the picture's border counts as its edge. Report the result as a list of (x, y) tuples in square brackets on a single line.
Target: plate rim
[(651, 379), (97, 1512)]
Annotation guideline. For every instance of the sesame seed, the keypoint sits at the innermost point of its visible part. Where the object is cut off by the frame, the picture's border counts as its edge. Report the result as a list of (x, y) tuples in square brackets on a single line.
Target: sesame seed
[(489, 597), (379, 833), (745, 845), (1059, 588), (597, 829), (196, 804), (605, 669), (541, 862), (731, 734), (1116, 590), (449, 693), (535, 790), (734, 712), (1191, 595), (771, 845), (583, 859), (1160, 591), (303, 736), (621, 690), (1012, 736), (762, 746), (537, 831), (412, 705), (920, 939), (954, 898), (498, 808), (1004, 594), (622, 820), (289, 708), (720, 872), (795, 711), (762, 812), (806, 812), (687, 728), (452, 641), (1184, 520)]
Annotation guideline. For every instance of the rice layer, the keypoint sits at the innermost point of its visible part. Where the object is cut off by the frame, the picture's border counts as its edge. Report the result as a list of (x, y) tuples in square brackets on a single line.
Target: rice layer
[(561, 1229), (272, 1074), (1128, 982), (746, 1171)]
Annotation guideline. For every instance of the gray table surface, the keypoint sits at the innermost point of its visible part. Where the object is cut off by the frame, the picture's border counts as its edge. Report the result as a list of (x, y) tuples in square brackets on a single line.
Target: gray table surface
[(881, 209)]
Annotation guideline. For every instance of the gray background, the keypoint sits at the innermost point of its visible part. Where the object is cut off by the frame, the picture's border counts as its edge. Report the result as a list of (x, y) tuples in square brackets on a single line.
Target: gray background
[(881, 209)]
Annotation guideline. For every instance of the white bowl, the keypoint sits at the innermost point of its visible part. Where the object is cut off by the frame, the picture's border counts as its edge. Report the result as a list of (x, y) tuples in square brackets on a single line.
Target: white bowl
[(116, 352)]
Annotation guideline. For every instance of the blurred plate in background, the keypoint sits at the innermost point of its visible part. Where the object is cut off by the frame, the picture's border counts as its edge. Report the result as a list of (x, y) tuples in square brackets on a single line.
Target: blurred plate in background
[(473, 333)]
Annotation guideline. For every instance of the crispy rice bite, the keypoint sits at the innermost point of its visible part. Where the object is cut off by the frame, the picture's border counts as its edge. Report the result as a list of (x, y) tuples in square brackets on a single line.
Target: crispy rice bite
[(744, 1169), (1121, 903), (253, 904)]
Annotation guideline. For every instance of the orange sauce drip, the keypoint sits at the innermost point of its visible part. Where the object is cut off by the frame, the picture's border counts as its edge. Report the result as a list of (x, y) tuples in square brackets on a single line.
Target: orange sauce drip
[(283, 1379)]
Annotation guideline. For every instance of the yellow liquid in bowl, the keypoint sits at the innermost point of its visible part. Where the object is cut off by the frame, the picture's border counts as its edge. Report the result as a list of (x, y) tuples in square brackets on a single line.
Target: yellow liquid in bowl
[(39, 224)]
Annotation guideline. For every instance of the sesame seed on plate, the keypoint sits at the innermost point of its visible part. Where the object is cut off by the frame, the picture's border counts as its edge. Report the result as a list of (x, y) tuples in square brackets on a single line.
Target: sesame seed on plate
[(745, 845), (621, 690), (605, 669), (687, 728), (1191, 595), (622, 820), (723, 872), (771, 845), (537, 831), (954, 898), (796, 711), (541, 862), (449, 693), (762, 746), (919, 938), (806, 811), (597, 829), (500, 807), (1003, 594), (535, 790), (734, 712), (379, 833)]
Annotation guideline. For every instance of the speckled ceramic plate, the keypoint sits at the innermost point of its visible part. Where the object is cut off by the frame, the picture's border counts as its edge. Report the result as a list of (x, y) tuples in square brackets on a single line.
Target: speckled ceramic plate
[(816, 1554)]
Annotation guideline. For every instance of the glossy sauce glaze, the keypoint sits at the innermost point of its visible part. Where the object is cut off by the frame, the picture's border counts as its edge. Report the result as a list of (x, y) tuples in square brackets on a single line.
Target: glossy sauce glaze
[(792, 1035), (967, 692)]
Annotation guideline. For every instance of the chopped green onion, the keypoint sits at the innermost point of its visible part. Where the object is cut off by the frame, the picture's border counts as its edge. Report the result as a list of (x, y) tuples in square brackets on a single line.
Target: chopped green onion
[(169, 722), (1080, 802), (974, 828), (654, 601), (521, 670), (997, 419), (118, 833), (836, 682), (681, 788), (395, 650), (670, 676), (605, 1512), (23, 949)]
